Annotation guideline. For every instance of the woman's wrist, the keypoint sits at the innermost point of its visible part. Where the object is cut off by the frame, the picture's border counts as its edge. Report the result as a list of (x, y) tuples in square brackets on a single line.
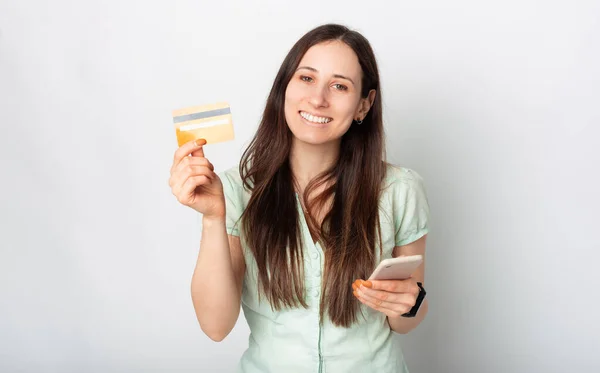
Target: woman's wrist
[(213, 219)]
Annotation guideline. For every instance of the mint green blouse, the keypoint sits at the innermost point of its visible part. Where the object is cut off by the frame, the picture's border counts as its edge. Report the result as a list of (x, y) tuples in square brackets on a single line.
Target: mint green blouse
[(292, 340)]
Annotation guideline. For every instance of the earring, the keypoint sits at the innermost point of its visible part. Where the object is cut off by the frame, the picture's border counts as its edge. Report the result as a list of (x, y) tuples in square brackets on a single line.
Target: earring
[(359, 122)]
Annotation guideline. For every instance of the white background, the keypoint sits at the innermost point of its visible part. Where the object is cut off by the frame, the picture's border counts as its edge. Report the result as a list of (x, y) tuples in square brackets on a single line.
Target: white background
[(495, 104)]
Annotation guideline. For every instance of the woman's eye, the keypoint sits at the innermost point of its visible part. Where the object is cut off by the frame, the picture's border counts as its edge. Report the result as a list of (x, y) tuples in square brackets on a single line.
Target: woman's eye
[(306, 78), (340, 87)]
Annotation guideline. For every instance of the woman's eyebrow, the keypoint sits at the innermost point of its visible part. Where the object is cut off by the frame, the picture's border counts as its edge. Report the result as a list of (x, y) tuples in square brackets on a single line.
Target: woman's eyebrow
[(316, 71)]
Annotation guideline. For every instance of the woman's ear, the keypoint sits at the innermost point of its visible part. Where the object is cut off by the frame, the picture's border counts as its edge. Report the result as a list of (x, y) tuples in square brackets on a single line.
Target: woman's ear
[(366, 104)]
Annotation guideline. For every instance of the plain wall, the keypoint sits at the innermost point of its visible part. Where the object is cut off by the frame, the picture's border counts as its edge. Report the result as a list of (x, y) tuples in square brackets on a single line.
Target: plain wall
[(495, 104)]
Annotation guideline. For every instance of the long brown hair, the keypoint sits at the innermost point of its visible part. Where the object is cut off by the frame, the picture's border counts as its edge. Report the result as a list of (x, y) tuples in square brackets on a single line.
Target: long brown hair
[(350, 228)]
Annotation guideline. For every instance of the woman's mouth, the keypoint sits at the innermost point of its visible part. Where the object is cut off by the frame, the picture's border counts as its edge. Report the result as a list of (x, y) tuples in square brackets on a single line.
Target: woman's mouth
[(315, 120)]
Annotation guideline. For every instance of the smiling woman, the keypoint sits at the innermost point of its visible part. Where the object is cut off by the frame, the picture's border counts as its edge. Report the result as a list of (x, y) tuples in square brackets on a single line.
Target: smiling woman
[(311, 210), (327, 98)]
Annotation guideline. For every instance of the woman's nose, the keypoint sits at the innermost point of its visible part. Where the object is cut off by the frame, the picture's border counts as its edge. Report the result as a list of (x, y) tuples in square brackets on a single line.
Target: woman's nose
[(318, 97)]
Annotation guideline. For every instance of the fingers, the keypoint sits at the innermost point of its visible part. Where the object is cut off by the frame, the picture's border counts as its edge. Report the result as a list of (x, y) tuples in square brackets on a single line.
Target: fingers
[(190, 184), (188, 148), (198, 153), (389, 308), (192, 170), (363, 287), (185, 182), (190, 164), (394, 286), (185, 172), (185, 191), (392, 303), (181, 156), (188, 173)]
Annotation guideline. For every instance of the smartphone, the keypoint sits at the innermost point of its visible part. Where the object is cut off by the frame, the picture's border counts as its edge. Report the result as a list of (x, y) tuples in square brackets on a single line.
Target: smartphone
[(399, 268)]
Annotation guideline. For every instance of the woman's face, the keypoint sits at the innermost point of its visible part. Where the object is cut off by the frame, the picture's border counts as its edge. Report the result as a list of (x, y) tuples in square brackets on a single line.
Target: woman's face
[(323, 96)]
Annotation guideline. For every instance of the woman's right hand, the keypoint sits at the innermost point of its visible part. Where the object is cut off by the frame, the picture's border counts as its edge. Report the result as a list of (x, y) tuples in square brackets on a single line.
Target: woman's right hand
[(194, 182)]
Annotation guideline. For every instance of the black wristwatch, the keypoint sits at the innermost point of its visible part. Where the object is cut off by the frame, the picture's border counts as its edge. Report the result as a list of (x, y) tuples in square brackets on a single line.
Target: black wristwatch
[(413, 311)]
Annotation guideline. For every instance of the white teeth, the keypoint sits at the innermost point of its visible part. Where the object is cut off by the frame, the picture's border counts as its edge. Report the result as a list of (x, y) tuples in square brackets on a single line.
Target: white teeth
[(314, 119)]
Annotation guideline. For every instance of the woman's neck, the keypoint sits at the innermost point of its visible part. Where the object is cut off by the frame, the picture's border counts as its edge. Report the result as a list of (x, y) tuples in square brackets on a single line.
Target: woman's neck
[(307, 161)]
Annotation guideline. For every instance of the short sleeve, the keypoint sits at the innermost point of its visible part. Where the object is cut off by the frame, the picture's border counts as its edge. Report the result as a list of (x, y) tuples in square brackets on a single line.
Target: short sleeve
[(233, 191), (411, 208)]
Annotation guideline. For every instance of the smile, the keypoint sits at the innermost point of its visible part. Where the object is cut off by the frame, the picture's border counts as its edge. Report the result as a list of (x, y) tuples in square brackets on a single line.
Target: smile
[(315, 119)]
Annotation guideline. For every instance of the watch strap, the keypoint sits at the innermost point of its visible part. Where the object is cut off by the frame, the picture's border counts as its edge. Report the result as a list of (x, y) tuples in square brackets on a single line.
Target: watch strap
[(413, 311)]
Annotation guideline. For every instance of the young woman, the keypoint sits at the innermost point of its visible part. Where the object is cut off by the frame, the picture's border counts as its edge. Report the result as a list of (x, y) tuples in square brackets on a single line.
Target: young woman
[(292, 233)]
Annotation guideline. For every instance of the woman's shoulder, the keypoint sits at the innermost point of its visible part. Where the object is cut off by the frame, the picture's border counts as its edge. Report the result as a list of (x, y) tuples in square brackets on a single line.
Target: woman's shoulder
[(405, 200), (403, 186), (402, 177)]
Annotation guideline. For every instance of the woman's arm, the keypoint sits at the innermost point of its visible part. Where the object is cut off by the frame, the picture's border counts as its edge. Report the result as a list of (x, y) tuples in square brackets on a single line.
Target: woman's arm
[(217, 280), (401, 324), (396, 297)]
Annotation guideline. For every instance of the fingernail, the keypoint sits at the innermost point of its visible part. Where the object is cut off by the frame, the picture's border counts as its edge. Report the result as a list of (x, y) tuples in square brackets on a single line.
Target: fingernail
[(200, 142), (367, 284)]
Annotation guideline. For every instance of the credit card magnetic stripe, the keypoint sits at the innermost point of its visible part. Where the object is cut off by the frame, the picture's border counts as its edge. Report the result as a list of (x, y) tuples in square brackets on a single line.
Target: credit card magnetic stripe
[(201, 115)]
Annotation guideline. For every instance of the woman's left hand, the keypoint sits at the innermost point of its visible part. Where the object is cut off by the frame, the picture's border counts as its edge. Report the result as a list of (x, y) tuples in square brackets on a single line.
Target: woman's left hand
[(391, 297)]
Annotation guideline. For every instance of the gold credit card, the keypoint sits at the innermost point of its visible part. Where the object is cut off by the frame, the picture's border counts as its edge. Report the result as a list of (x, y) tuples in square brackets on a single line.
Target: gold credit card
[(210, 122)]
